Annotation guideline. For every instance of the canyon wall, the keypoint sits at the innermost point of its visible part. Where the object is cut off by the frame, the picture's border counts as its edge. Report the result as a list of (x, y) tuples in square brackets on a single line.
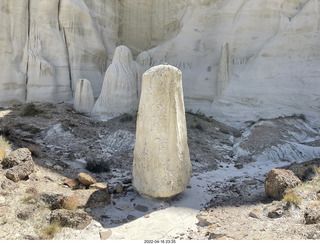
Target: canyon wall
[(240, 59)]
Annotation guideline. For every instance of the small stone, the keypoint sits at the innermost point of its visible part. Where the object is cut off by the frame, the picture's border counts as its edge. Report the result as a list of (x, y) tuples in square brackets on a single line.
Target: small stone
[(119, 188), (8, 185), (122, 207), (58, 167), (255, 213), (54, 200), (250, 182), (276, 213), (86, 179), (147, 216), (141, 208), (2, 200), (238, 166), (312, 216), (100, 186), (131, 217), (104, 235), (3, 210), (72, 183)]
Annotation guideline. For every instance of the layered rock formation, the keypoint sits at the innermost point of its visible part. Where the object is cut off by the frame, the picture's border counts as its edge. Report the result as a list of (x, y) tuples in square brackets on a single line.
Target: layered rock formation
[(161, 166), (84, 99), (119, 92), (274, 50)]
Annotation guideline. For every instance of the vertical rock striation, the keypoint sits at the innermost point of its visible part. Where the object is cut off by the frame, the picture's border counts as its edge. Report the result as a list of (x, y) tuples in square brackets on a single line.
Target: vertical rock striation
[(119, 92), (83, 99), (161, 166)]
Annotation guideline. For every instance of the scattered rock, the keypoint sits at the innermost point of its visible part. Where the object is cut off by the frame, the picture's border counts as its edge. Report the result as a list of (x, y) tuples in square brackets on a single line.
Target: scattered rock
[(54, 200), (86, 179), (99, 186), (8, 185), (305, 171), (141, 208), (250, 182), (255, 213), (312, 215), (119, 188), (3, 210), (58, 167), (131, 217), (104, 235), (17, 157), (91, 198), (278, 180), (26, 213), (2, 200), (276, 213), (72, 183), (238, 166), (19, 164), (78, 219), (122, 207), (202, 218)]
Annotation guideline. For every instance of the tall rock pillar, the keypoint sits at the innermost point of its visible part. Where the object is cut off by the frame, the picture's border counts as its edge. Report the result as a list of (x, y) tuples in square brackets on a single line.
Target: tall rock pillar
[(161, 166)]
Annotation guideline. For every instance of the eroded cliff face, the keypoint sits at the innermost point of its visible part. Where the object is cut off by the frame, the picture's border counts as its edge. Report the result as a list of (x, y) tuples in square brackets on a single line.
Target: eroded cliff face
[(240, 59)]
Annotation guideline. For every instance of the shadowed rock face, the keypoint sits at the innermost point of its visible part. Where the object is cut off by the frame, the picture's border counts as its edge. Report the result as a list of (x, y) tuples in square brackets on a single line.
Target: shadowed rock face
[(161, 166), (269, 69)]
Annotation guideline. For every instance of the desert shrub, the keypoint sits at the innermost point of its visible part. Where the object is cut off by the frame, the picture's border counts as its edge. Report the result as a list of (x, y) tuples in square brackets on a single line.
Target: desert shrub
[(4, 143), (98, 165), (50, 231), (30, 110), (35, 150), (291, 198)]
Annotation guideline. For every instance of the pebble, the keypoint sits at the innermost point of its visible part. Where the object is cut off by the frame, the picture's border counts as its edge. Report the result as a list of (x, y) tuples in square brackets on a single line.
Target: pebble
[(255, 213), (131, 217), (122, 207), (104, 235), (141, 208), (2, 200), (119, 188), (250, 182)]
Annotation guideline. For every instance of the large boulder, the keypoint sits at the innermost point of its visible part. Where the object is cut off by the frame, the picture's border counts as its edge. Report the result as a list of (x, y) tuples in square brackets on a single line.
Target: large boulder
[(119, 92), (83, 99), (161, 166), (19, 164), (278, 180)]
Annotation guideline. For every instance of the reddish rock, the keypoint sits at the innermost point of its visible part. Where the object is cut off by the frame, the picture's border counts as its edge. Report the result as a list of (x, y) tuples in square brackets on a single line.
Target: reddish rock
[(91, 198), (86, 179)]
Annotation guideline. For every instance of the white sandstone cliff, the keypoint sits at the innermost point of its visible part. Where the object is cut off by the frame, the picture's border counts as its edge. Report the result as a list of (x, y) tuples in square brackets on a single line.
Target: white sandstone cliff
[(274, 50)]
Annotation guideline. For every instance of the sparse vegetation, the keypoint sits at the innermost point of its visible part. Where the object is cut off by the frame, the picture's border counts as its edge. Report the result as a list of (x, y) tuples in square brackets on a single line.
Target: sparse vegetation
[(31, 110), (4, 143), (50, 231), (291, 197), (29, 199)]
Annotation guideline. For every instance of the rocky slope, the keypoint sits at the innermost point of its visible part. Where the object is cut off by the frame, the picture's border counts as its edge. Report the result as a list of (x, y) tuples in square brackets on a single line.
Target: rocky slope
[(240, 59), (224, 199)]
